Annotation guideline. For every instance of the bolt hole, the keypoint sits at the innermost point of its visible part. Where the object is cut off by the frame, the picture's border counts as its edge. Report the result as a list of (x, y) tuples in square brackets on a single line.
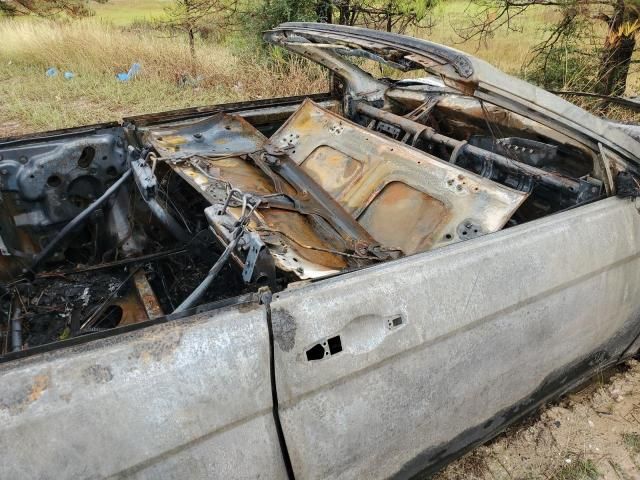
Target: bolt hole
[(448, 236), (111, 171), (86, 157), (54, 181)]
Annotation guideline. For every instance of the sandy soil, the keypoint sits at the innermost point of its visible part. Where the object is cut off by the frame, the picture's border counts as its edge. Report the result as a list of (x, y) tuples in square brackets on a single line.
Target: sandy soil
[(9, 129), (591, 434)]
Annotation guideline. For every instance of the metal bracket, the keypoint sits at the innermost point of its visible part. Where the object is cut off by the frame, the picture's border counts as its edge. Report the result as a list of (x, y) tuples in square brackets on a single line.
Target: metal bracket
[(251, 254), (259, 266)]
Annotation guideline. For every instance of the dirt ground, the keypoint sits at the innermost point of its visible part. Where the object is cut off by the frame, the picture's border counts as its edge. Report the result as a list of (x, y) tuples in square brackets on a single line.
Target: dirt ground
[(8, 129), (591, 434)]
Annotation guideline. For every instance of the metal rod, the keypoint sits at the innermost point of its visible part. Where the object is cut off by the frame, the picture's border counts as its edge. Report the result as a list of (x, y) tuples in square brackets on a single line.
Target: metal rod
[(167, 221), (430, 134), (47, 251), (117, 263), (213, 273), (16, 328), (90, 321), (215, 270)]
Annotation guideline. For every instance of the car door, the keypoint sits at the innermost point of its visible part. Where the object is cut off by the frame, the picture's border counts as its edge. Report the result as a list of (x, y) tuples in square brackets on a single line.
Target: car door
[(190, 398), (396, 368)]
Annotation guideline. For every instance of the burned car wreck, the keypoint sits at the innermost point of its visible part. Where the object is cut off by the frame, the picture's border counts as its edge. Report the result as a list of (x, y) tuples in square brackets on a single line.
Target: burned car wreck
[(362, 283)]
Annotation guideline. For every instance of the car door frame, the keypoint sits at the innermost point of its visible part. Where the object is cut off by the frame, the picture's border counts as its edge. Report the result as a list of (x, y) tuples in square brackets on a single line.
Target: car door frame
[(442, 350)]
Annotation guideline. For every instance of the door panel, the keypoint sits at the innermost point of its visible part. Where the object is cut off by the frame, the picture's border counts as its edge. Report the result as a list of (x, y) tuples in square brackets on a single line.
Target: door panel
[(176, 400), (388, 370)]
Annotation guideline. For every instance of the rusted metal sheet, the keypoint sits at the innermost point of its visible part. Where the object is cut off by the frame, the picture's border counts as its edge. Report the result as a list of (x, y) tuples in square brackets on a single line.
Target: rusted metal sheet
[(402, 198), (147, 296), (405, 198), (218, 135), (295, 242)]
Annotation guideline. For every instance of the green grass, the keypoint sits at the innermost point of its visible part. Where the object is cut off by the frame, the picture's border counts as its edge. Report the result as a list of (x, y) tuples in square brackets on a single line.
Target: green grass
[(578, 469), (632, 442), (125, 12), (49, 103)]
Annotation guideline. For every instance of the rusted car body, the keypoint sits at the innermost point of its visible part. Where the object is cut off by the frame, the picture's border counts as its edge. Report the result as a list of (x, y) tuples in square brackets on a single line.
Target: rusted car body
[(359, 284)]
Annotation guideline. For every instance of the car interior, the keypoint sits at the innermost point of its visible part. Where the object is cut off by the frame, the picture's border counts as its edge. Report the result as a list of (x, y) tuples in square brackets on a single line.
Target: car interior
[(163, 215)]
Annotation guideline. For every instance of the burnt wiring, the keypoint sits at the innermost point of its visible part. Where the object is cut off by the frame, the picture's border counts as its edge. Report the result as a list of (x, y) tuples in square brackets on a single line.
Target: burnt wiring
[(249, 204)]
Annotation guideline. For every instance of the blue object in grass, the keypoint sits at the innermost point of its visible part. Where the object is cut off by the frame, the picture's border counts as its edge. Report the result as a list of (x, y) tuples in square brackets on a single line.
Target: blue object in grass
[(133, 71), (51, 72), (68, 75)]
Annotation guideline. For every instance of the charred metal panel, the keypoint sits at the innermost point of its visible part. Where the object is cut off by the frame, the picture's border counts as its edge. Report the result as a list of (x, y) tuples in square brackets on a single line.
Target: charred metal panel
[(218, 135), (185, 399), (321, 165), (378, 370), (46, 183), (403, 197)]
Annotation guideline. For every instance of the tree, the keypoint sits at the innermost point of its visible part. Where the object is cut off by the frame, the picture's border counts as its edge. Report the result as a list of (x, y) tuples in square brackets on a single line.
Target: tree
[(576, 26), (46, 8), (196, 17), (389, 15)]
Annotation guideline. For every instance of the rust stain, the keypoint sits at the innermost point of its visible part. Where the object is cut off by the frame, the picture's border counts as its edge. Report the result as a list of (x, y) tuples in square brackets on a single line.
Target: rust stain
[(16, 401), (297, 227), (147, 296), (333, 170), (401, 208), (40, 384), (171, 142), (132, 309)]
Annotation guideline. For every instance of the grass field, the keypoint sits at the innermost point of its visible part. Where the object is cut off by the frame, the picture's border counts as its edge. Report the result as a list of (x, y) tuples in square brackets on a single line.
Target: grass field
[(97, 48), (124, 12), (95, 51)]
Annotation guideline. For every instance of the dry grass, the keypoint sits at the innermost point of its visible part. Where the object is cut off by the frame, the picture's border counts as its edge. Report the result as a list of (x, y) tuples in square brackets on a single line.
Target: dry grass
[(507, 49), (95, 51), (97, 48)]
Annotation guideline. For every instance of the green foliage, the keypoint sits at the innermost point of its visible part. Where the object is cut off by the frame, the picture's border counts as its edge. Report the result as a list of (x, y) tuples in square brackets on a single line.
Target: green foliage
[(268, 13), (563, 67), (577, 470), (567, 59), (632, 442), (71, 8)]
